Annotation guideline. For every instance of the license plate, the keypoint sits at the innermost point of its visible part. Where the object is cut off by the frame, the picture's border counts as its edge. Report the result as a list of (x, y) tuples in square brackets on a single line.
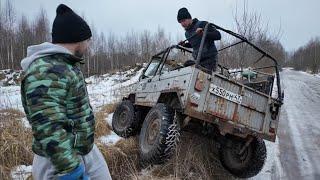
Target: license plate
[(219, 91)]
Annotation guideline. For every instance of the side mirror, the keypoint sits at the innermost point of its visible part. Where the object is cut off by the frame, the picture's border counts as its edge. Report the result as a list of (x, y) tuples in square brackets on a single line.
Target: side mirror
[(142, 77)]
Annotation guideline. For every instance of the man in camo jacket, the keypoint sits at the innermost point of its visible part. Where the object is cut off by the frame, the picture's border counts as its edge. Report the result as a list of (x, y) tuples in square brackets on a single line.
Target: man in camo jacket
[(56, 103)]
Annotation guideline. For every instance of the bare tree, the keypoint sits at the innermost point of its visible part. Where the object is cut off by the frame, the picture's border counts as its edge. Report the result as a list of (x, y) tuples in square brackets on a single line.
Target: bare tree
[(251, 26), (145, 43), (248, 25), (111, 49), (41, 27), (1, 36), (307, 58), (9, 22), (23, 38)]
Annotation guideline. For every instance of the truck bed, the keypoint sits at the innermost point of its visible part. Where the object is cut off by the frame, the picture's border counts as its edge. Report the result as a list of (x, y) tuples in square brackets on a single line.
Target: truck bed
[(236, 108)]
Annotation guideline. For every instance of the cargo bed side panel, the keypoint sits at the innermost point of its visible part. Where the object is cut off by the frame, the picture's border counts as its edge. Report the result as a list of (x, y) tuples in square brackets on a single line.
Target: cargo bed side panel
[(250, 112)]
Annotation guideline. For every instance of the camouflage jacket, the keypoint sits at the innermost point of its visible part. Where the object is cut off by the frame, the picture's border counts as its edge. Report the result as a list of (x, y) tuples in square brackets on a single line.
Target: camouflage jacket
[(56, 104)]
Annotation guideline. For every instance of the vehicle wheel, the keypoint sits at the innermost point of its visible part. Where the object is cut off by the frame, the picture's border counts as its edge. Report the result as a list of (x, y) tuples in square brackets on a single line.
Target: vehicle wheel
[(126, 121), (159, 135), (244, 165)]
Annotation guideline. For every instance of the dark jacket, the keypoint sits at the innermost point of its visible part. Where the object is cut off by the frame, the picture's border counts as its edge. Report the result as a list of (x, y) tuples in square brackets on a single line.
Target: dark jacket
[(209, 48)]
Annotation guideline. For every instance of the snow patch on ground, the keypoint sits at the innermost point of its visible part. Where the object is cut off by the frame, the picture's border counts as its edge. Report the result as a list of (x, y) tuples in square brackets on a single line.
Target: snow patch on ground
[(272, 168), (113, 137), (109, 119), (21, 172), (25, 122), (10, 77), (274, 93), (108, 89), (10, 97), (308, 73), (110, 139), (288, 68)]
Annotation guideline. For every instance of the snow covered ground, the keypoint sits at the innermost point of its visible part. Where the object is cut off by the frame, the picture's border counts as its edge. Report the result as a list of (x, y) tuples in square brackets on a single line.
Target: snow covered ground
[(294, 155), (21, 172), (107, 89), (10, 97), (102, 90), (9, 77), (299, 128)]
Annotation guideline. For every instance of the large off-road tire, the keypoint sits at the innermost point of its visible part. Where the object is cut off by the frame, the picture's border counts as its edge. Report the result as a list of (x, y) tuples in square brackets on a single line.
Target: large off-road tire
[(159, 135), (126, 120), (247, 164)]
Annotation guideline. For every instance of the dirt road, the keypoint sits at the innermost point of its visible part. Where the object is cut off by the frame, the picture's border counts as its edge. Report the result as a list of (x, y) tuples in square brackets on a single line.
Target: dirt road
[(296, 154), (299, 129)]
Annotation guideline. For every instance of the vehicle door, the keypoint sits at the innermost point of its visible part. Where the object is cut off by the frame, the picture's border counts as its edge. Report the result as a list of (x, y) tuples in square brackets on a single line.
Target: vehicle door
[(146, 88)]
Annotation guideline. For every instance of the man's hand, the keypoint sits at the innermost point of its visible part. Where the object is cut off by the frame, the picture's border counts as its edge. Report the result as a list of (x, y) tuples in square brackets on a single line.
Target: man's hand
[(199, 31), (182, 43)]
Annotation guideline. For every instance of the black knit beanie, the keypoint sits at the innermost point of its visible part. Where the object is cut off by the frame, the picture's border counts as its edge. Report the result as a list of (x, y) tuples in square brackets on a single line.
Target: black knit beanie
[(68, 27), (183, 13)]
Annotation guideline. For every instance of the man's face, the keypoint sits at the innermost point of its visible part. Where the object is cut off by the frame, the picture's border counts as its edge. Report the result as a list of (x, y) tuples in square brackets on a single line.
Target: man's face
[(185, 23), (82, 48)]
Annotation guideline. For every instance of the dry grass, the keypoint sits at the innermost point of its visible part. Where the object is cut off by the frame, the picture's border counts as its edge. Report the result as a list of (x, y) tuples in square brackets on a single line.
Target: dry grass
[(196, 158), (2, 76), (103, 128), (15, 142), (122, 158)]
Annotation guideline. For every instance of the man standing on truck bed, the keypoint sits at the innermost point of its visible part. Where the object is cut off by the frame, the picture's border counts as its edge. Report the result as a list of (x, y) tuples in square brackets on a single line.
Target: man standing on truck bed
[(194, 30)]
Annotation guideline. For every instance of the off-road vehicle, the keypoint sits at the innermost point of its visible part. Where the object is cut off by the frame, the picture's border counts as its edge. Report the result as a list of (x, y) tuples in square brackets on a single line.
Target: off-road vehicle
[(239, 113)]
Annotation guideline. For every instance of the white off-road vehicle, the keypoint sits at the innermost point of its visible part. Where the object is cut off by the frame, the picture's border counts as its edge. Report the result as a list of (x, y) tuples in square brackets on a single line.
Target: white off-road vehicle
[(170, 98)]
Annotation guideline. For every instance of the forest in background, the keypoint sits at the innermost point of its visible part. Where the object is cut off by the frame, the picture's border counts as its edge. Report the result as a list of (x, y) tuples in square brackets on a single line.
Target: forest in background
[(110, 52)]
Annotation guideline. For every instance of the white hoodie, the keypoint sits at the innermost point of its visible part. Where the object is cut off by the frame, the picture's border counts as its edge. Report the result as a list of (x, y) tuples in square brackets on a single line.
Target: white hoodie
[(37, 51)]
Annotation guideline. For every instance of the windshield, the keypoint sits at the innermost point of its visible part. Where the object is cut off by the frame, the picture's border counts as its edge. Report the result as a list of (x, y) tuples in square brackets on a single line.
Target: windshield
[(175, 60), (153, 66)]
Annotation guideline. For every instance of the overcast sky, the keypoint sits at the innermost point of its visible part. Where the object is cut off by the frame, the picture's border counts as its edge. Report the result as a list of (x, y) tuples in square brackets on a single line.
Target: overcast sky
[(298, 19)]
